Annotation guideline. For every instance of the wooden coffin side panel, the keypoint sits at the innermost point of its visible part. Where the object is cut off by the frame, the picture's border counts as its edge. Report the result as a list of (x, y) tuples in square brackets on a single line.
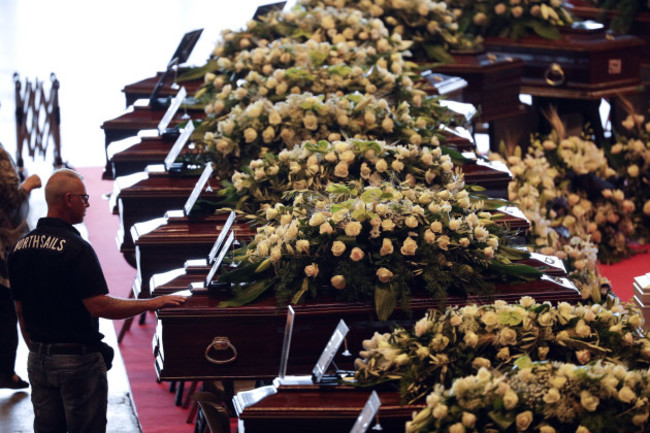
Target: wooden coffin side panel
[(256, 331)]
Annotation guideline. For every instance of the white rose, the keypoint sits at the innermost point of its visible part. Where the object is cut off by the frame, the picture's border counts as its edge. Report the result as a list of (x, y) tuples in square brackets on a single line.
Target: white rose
[(384, 275), (469, 419), (311, 270), (325, 228), (436, 227), (626, 395), (338, 282), (524, 419), (589, 401), (317, 219), (338, 248), (510, 399), (353, 228), (250, 135), (341, 169), (471, 339), (386, 247), (443, 242), (552, 396), (302, 246), (356, 254), (457, 428), (408, 247)]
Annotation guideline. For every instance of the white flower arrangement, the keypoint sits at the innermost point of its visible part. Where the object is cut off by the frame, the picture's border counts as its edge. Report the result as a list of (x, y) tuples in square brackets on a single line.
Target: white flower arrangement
[(247, 133), (456, 341), (564, 185), (512, 19), (430, 25), (630, 155), (315, 166), (377, 243), (541, 397)]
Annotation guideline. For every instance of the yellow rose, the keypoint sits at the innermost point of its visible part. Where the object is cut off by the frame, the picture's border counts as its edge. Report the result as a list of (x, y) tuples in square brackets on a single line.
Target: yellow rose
[(325, 228), (338, 282)]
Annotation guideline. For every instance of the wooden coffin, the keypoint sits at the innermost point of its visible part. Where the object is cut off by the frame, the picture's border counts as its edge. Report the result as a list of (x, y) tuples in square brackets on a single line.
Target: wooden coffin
[(137, 117), (184, 335), (493, 82), (585, 63), (165, 243), (143, 88), (141, 196), (133, 154), (640, 26), (321, 409)]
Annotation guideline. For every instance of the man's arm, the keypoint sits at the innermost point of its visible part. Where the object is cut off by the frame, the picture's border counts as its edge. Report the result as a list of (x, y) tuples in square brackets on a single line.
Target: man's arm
[(21, 321), (109, 307)]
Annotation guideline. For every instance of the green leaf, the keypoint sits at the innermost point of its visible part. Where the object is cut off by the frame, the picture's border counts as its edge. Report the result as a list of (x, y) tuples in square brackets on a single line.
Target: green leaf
[(303, 289), (510, 318), (247, 295), (523, 362), (264, 265), (545, 30), (385, 301), (439, 53), (243, 273), (198, 73)]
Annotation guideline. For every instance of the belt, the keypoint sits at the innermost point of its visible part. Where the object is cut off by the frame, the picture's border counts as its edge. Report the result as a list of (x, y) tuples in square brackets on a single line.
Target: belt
[(61, 348)]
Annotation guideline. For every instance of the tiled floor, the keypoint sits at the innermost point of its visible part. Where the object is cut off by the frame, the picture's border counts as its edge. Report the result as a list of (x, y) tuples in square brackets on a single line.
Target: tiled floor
[(94, 48)]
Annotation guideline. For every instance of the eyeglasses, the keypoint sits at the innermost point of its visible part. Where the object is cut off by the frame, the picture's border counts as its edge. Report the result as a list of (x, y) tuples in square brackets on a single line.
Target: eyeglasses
[(84, 197)]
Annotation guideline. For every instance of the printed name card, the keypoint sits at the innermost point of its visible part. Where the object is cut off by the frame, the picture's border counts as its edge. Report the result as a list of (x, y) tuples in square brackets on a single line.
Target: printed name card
[(265, 9), (286, 343), (196, 192), (329, 352), (222, 254), (179, 144), (551, 261), (222, 236), (171, 110), (185, 47), (367, 414)]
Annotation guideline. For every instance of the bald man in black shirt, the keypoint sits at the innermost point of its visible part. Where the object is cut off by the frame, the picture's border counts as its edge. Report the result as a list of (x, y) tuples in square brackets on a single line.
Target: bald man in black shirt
[(60, 293)]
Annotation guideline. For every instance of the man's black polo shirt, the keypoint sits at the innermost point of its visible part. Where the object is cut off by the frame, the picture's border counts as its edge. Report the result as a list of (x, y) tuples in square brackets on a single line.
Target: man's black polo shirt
[(52, 269)]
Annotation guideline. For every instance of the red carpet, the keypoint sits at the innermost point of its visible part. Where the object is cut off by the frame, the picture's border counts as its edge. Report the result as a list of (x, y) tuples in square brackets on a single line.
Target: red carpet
[(153, 401)]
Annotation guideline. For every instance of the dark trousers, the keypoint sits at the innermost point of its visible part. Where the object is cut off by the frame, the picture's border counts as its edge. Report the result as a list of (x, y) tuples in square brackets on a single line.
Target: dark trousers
[(8, 333)]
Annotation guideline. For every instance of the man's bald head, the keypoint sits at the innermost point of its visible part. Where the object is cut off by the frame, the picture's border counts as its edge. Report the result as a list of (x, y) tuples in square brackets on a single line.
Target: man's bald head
[(61, 182), (66, 197)]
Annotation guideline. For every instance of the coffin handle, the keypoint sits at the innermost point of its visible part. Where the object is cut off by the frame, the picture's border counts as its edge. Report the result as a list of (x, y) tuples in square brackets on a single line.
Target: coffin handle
[(220, 344), (554, 75)]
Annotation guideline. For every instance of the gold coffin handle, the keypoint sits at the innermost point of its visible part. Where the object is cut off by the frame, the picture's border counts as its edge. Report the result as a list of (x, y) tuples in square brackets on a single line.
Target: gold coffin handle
[(554, 75), (220, 344)]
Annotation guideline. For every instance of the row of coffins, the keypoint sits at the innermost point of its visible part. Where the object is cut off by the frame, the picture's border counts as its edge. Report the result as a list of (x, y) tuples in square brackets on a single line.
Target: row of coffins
[(205, 340)]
